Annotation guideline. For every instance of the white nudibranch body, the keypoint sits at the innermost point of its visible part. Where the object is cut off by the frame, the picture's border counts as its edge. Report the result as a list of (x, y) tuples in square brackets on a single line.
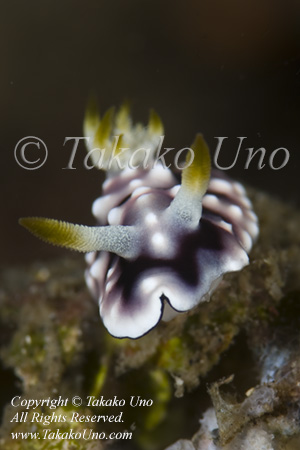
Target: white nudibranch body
[(159, 248)]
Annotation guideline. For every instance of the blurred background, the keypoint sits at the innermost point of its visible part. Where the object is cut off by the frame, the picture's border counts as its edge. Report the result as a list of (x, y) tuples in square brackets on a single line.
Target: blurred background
[(222, 68)]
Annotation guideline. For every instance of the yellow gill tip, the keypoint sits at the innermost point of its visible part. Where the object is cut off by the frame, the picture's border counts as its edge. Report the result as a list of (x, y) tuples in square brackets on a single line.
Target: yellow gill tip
[(91, 117), (123, 120), (104, 128), (155, 125)]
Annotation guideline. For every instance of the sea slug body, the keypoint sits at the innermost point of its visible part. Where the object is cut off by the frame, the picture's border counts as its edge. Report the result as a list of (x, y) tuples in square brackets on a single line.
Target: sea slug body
[(160, 247)]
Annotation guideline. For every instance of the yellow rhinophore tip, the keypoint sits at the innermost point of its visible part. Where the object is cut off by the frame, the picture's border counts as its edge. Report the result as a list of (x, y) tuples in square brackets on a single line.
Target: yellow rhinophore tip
[(187, 203), (196, 176), (63, 234), (117, 239)]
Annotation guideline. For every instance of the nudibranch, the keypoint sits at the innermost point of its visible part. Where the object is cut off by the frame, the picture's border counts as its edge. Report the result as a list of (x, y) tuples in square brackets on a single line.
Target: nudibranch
[(159, 247)]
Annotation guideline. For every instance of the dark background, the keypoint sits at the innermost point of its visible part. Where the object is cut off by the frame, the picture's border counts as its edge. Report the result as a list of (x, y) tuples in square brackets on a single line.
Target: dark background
[(225, 68)]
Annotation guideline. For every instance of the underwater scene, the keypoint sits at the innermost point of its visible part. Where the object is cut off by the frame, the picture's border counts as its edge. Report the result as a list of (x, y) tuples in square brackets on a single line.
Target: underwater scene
[(150, 263)]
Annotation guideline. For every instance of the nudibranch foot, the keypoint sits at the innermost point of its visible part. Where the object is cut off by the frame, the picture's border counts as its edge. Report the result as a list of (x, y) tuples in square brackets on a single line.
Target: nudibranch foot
[(159, 247)]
